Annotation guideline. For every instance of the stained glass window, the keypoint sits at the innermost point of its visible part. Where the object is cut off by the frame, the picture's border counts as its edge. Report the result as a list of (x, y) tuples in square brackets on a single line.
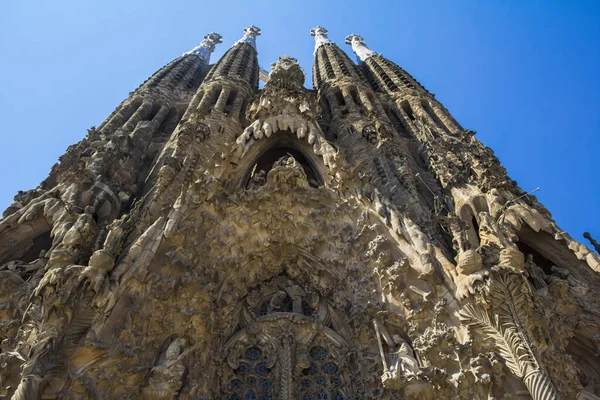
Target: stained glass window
[(321, 380), (252, 379)]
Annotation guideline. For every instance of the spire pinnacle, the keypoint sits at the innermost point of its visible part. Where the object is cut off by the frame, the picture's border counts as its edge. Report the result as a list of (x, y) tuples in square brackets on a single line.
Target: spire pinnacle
[(250, 34), (359, 47), (206, 47), (320, 35)]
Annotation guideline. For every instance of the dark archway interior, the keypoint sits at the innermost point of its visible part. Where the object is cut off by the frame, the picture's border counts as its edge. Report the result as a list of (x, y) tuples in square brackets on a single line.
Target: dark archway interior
[(468, 216), (538, 259), (547, 251), (266, 161), (170, 122), (39, 243)]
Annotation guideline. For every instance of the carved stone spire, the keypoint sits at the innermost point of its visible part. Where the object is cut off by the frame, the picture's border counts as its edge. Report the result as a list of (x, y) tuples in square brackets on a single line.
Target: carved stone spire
[(206, 47), (320, 35), (250, 34), (359, 47)]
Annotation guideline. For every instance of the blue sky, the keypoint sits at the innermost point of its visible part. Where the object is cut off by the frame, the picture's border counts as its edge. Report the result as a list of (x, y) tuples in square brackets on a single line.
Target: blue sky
[(523, 74)]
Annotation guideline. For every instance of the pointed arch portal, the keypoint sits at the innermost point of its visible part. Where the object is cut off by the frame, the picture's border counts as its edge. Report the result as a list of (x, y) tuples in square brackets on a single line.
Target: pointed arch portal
[(265, 152)]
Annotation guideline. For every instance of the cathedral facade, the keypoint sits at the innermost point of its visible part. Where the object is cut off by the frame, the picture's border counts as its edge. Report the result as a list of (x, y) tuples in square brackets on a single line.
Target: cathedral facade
[(210, 240)]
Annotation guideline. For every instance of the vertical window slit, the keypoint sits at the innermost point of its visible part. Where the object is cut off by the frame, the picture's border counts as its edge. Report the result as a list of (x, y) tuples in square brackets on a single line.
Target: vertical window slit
[(355, 96), (408, 110), (340, 97), (229, 102), (216, 92)]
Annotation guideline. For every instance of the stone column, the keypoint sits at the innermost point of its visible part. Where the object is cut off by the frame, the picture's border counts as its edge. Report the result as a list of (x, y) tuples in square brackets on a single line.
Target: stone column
[(220, 106), (352, 106), (139, 115), (121, 116), (206, 100), (161, 114)]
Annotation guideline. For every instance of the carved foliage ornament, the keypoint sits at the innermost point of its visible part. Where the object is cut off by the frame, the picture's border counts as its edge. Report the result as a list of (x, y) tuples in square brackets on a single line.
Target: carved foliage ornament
[(505, 328)]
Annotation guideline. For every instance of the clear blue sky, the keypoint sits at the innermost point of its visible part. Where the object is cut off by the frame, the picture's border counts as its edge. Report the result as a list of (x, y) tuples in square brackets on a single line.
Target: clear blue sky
[(524, 74)]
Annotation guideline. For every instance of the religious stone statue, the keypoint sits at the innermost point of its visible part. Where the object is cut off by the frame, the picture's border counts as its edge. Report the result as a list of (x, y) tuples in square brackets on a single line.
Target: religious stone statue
[(165, 381), (370, 134), (258, 179), (400, 367), (536, 274), (296, 293), (285, 161), (468, 259), (278, 303), (287, 172), (403, 364)]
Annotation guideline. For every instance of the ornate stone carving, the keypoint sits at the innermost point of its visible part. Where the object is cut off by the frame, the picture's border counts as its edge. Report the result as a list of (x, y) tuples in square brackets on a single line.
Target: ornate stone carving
[(320, 35), (506, 329), (401, 369), (286, 339), (250, 34), (215, 240), (165, 379), (207, 46)]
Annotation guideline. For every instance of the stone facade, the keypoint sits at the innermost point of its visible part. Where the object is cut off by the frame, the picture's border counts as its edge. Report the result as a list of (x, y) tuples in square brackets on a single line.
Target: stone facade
[(211, 240)]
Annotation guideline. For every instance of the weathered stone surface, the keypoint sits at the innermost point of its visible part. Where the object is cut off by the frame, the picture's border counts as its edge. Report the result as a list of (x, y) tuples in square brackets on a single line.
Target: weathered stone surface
[(215, 241)]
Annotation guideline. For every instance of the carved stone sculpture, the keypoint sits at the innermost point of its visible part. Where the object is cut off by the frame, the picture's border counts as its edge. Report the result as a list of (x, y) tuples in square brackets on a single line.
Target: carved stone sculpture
[(403, 366), (536, 274), (165, 379)]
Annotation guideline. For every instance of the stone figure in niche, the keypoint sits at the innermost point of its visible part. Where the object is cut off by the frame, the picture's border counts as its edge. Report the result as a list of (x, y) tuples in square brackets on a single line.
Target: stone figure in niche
[(403, 366), (468, 259), (104, 258), (287, 299), (82, 231), (536, 274), (460, 234), (287, 171), (258, 179), (114, 239), (165, 380), (400, 367), (285, 161), (296, 294), (280, 302), (404, 173)]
